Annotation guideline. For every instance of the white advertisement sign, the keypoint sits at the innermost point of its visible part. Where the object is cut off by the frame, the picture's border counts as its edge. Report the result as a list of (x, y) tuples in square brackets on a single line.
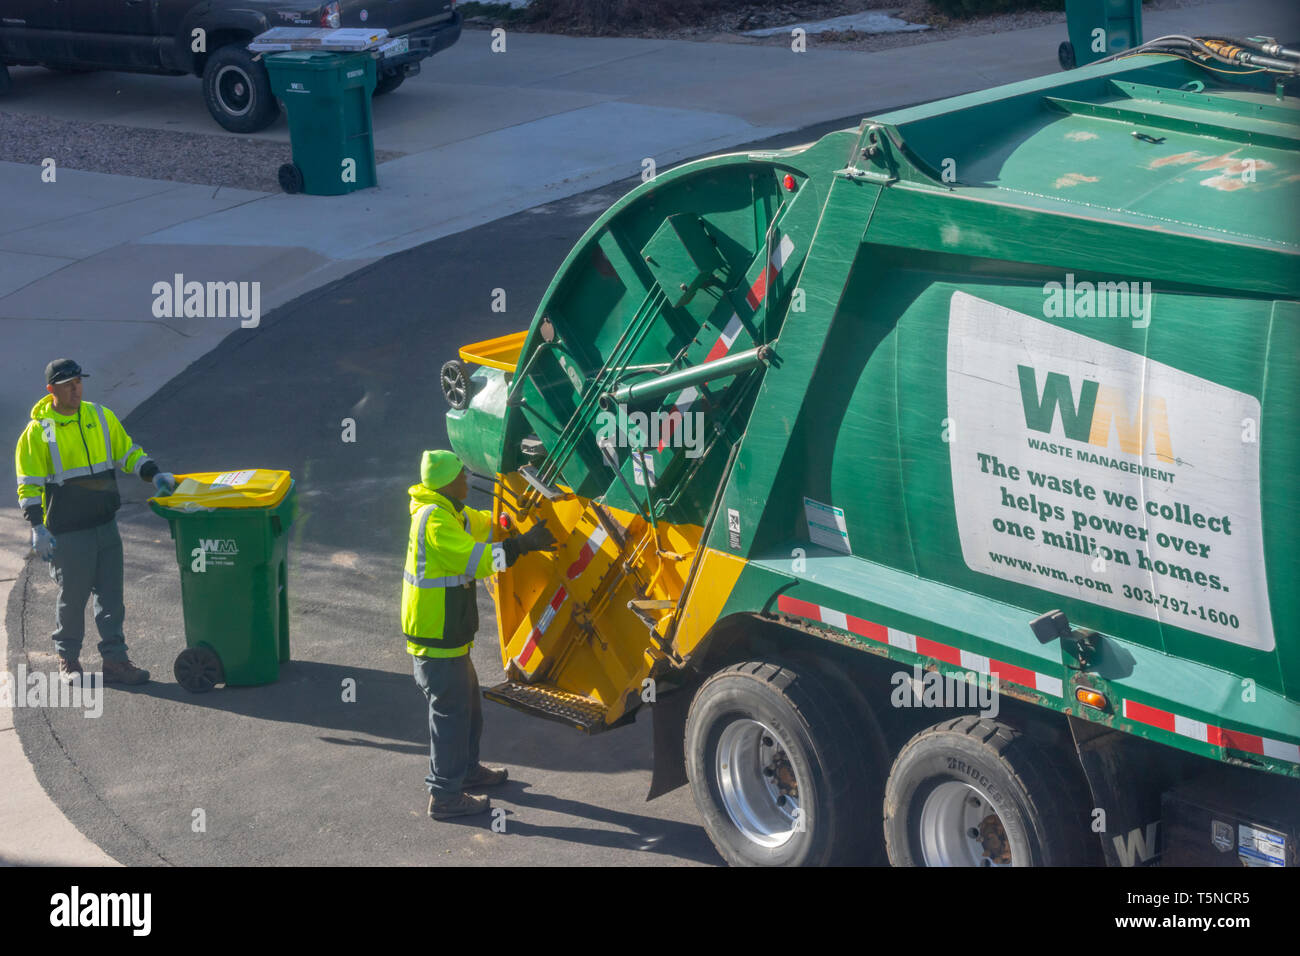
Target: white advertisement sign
[(1096, 473)]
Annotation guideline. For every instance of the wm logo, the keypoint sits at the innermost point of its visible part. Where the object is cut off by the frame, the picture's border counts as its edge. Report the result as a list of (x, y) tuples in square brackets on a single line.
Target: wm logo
[(1099, 411), (218, 545)]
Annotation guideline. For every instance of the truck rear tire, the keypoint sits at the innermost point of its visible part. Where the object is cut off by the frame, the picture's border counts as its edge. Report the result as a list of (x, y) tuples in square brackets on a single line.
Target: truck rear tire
[(978, 792), (770, 758), (237, 90)]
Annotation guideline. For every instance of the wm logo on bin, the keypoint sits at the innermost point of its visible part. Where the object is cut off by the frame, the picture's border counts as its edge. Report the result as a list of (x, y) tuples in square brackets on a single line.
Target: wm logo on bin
[(223, 546)]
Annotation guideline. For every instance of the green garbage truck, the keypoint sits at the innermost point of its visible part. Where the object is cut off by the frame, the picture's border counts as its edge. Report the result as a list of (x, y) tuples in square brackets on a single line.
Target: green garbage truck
[(932, 485)]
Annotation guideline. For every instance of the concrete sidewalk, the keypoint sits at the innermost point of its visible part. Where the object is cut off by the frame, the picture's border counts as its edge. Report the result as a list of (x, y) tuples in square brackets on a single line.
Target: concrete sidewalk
[(485, 134)]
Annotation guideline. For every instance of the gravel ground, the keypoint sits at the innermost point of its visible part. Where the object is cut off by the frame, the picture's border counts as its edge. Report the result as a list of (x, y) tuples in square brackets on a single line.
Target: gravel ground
[(208, 159), (728, 26)]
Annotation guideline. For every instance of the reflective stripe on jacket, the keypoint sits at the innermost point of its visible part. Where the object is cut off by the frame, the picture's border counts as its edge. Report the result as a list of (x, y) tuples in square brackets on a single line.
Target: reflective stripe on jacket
[(447, 551), (67, 464)]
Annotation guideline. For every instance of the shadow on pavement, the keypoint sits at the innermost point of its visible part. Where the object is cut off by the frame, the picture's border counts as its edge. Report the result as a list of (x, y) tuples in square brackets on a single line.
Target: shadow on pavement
[(648, 835)]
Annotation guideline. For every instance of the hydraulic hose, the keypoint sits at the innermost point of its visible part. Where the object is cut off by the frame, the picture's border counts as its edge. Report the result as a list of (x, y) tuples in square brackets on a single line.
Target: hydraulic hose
[(1230, 52)]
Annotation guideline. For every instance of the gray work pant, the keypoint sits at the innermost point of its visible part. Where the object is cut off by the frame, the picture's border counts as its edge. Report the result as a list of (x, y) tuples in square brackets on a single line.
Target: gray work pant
[(455, 720), (87, 562)]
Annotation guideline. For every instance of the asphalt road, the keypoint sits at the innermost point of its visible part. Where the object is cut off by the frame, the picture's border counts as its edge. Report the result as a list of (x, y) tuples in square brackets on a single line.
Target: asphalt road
[(290, 773)]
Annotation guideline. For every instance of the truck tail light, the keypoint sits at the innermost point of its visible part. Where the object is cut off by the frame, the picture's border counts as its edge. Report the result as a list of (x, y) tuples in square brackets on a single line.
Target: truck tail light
[(1090, 698), (329, 16)]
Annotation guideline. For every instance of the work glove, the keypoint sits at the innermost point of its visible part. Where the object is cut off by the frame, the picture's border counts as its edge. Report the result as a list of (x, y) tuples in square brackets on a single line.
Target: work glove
[(43, 542), (536, 538), (165, 482)]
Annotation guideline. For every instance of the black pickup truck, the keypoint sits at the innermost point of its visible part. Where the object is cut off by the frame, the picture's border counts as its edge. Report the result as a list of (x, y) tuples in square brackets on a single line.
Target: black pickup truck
[(209, 38)]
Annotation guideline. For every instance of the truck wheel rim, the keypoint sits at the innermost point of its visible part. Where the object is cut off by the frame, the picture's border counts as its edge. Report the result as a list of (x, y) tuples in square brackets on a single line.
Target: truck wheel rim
[(234, 90), (757, 783), (959, 827)]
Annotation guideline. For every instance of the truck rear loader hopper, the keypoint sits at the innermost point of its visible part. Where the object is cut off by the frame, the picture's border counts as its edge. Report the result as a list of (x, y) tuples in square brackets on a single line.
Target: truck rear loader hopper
[(939, 473)]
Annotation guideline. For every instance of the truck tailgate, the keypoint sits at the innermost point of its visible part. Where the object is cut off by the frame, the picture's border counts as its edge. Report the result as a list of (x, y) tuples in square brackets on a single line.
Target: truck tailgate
[(396, 16)]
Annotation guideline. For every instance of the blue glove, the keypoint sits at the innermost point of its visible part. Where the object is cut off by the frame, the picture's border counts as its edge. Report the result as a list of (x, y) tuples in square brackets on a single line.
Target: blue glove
[(43, 542), (165, 482)]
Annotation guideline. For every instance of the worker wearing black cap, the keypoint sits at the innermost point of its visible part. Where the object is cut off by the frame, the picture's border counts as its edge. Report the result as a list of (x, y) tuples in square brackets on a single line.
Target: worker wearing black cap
[(67, 462)]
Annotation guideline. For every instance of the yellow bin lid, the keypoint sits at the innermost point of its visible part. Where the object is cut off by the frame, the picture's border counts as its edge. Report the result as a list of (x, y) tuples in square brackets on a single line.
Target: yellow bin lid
[(206, 490)]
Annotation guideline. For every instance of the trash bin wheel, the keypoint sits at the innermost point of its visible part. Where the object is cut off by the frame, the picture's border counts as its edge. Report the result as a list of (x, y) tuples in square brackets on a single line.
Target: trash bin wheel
[(1065, 54), (291, 178), (455, 384), (198, 669)]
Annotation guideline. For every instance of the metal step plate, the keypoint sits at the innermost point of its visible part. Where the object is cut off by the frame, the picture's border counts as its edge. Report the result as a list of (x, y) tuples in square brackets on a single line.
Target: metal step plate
[(582, 713)]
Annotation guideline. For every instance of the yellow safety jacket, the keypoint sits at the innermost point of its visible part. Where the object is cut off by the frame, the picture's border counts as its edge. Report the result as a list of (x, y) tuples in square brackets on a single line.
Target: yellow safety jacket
[(67, 466), (447, 551)]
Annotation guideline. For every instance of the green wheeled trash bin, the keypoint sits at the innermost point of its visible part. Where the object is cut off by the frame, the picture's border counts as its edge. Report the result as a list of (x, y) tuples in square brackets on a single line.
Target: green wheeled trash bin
[(327, 96), (232, 537), (1098, 28)]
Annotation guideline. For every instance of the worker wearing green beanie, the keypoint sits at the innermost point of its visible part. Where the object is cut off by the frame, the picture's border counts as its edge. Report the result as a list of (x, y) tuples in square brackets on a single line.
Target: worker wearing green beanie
[(449, 548), (439, 468)]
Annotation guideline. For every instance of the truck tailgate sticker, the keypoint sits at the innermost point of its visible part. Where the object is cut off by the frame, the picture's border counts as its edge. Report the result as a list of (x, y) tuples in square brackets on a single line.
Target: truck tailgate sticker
[(826, 526), (1260, 847), (1096, 473)]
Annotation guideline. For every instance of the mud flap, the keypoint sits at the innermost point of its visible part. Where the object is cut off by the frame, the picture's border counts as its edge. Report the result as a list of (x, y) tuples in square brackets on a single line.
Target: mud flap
[(1126, 775), (669, 713)]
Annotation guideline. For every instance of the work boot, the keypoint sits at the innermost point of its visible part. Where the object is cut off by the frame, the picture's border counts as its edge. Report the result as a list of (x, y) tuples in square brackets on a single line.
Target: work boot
[(482, 776), (464, 805), (124, 672), (70, 669)]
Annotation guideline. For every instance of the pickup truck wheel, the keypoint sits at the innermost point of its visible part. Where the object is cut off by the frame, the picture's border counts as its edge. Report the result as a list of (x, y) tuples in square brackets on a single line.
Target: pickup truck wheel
[(237, 90), (977, 792), (388, 82), (769, 757)]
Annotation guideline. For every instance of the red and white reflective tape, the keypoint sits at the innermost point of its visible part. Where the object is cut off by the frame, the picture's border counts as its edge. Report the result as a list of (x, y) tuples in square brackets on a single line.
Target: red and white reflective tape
[(530, 645), (588, 551), (978, 663), (683, 404), (757, 292), (1131, 710), (725, 340), (780, 256), (1210, 734)]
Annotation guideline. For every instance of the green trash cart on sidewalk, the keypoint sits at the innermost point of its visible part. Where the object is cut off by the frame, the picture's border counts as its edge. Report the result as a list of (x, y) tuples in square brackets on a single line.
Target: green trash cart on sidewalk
[(327, 96), (231, 533), (1098, 28)]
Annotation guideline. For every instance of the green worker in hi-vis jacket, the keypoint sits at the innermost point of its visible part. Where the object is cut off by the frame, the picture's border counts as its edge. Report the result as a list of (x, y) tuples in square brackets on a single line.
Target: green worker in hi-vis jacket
[(67, 461), (450, 548)]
